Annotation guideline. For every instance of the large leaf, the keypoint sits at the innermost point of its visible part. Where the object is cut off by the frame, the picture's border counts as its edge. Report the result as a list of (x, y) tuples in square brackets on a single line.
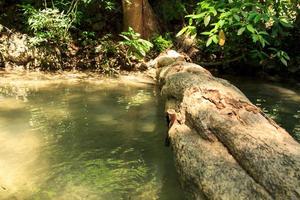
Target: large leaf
[(250, 28), (182, 31), (206, 20), (209, 41), (198, 16), (206, 33), (283, 61), (236, 17), (215, 39)]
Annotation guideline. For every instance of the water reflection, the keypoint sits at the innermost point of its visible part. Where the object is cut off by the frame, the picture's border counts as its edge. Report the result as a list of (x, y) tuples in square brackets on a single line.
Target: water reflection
[(82, 140)]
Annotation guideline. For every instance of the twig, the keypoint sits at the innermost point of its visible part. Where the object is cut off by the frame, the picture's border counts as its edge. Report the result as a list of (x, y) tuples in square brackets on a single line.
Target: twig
[(7, 29), (221, 62)]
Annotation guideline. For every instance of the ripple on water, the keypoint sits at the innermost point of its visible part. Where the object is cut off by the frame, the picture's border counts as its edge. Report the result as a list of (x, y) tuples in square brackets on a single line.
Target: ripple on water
[(82, 138)]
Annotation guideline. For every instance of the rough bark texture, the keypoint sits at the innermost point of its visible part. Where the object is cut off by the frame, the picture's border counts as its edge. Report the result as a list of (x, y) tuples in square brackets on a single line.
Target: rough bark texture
[(139, 15), (225, 147)]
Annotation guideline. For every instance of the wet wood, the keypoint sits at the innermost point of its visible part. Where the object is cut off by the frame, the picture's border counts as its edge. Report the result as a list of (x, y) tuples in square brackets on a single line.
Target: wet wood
[(225, 147)]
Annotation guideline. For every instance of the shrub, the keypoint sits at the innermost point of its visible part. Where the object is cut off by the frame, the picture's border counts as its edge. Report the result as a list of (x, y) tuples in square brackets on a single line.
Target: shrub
[(256, 28), (137, 46), (162, 43), (48, 24)]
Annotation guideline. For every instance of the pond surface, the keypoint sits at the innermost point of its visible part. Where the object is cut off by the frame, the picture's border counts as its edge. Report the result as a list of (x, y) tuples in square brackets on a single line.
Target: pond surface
[(91, 138), (69, 140), (281, 102)]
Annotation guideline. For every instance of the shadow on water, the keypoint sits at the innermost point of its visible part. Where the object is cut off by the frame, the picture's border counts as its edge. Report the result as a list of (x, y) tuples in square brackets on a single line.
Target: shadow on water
[(281, 102), (83, 141), (96, 139)]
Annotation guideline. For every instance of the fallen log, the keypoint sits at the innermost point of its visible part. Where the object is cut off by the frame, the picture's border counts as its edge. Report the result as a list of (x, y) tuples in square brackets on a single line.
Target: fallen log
[(225, 147)]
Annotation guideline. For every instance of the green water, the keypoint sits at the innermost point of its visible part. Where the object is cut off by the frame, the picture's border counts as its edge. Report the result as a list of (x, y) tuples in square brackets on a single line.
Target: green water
[(96, 139), (281, 102), (69, 141)]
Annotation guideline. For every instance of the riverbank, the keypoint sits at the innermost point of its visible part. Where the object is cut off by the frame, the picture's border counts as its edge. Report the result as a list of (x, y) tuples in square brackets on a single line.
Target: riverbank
[(107, 57), (95, 36)]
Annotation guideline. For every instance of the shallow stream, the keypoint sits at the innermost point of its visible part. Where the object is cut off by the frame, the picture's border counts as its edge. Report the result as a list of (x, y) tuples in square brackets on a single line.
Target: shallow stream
[(75, 136), (92, 139)]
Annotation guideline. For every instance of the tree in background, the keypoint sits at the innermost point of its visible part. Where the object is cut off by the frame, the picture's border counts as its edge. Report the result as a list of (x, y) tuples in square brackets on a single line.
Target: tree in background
[(139, 15)]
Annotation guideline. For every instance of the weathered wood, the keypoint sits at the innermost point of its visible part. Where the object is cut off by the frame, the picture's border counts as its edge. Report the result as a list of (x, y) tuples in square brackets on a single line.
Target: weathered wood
[(225, 147)]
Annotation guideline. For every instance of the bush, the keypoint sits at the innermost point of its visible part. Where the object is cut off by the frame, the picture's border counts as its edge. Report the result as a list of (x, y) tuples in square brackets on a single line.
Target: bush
[(162, 43), (247, 27), (137, 46), (47, 25)]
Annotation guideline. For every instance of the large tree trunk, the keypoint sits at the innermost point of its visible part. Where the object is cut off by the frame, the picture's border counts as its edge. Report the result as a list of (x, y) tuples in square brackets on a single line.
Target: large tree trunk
[(225, 147), (139, 15)]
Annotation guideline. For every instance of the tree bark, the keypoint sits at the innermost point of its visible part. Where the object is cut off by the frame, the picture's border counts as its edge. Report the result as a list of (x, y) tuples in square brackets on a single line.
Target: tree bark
[(139, 15), (224, 146)]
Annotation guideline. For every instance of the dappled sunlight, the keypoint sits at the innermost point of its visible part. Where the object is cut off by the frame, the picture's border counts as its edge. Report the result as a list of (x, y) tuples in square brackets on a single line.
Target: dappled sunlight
[(110, 177), (10, 104), (83, 138), (135, 100), (148, 127), (106, 119), (23, 81)]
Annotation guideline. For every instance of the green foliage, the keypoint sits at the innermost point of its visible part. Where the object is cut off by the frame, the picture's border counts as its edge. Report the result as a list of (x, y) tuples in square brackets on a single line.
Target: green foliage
[(109, 5), (48, 24), (87, 38), (162, 43), (172, 12), (246, 26), (137, 46), (53, 21), (171, 9)]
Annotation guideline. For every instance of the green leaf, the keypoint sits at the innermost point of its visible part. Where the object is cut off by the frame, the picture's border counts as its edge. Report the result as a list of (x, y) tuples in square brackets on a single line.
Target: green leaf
[(250, 28), (209, 41), (215, 39), (221, 23), (198, 16), (236, 17), (252, 15), (255, 38), (206, 33), (283, 61), (263, 33), (182, 31), (285, 23), (206, 20), (257, 18), (241, 30), (286, 56), (213, 10)]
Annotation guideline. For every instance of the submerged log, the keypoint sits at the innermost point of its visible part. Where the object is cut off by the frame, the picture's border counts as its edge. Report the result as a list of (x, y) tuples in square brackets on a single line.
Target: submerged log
[(225, 147)]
